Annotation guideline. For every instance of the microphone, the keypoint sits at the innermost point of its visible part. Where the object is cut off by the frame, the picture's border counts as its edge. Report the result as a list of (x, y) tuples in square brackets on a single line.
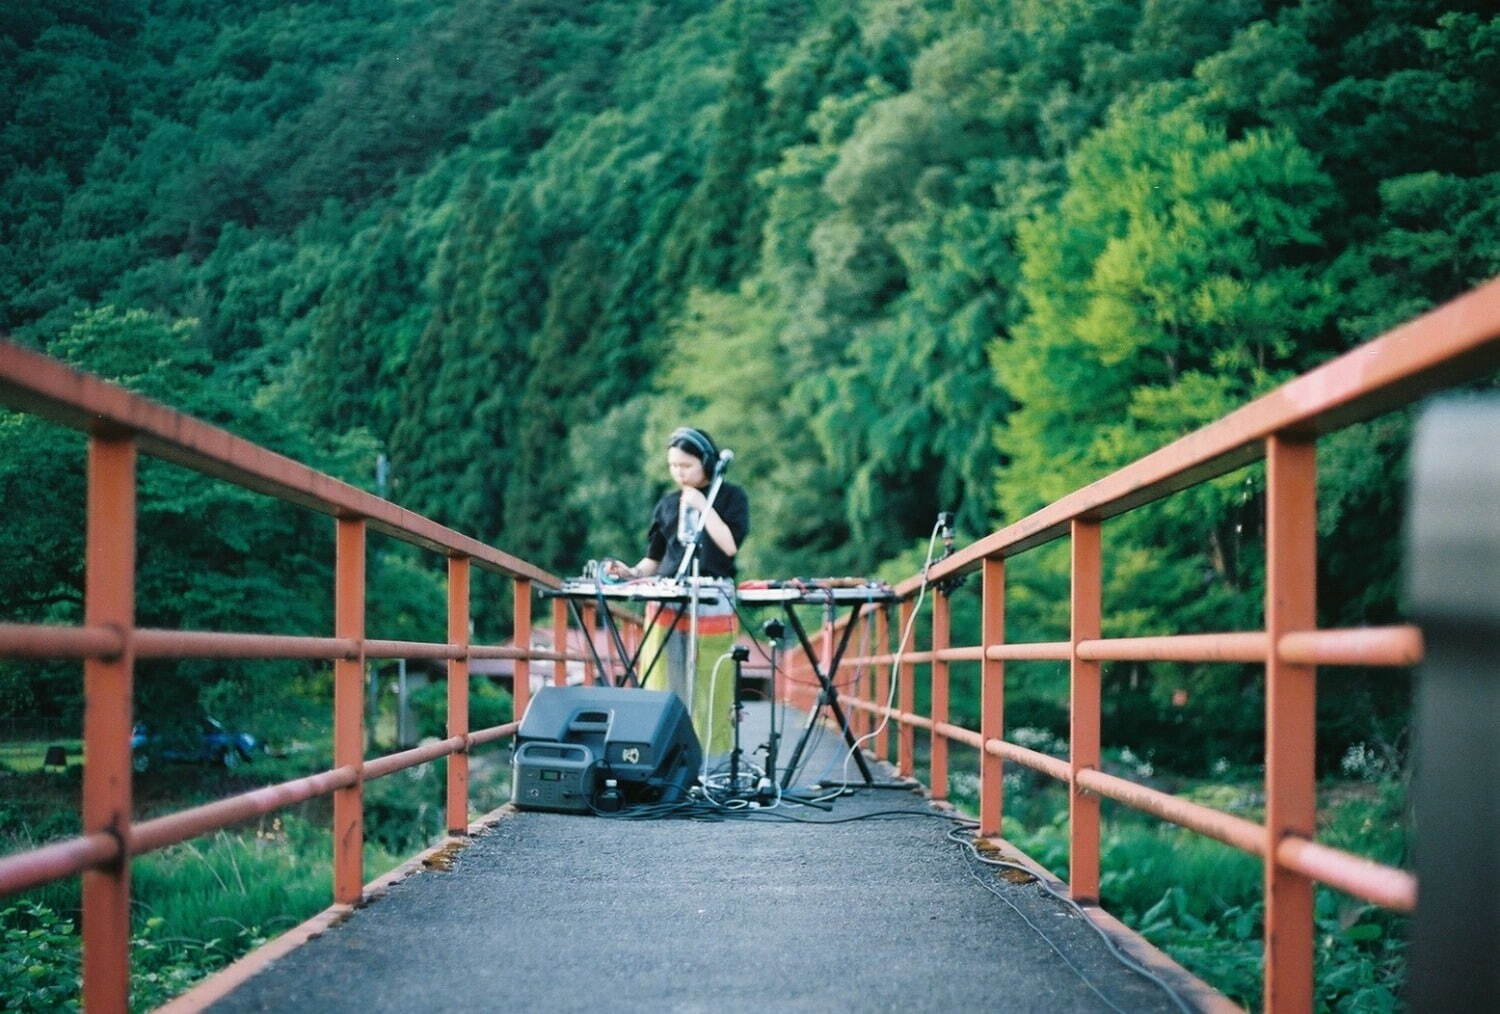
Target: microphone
[(725, 457)]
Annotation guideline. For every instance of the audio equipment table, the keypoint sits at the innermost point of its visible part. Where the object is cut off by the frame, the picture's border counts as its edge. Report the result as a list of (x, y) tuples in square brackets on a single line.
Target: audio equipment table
[(680, 595), (829, 593), (683, 594), (649, 589)]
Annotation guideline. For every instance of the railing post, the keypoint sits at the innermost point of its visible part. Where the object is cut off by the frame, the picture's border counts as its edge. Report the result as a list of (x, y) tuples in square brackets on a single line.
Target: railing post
[(906, 739), (883, 680), (560, 641), (992, 698), (349, 713), (1291, 697), (1083, 711), (863, 678), (939, 694), (457, 803), (521, 624), (109, 601)]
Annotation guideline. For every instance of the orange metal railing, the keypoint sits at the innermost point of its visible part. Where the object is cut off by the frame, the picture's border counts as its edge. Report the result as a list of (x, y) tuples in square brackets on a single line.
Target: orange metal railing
[(1458, 341), (119, 424)]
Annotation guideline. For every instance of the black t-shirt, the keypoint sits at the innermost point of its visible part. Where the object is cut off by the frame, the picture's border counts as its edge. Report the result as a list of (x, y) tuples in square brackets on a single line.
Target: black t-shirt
[(732, 506)]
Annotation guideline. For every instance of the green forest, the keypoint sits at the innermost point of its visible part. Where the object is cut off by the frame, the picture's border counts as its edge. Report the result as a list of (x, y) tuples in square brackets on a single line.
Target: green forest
[(902, 256)]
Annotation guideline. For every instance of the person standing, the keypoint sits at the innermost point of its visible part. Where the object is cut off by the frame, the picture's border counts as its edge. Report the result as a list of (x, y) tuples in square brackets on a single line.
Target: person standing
[(693, 462)]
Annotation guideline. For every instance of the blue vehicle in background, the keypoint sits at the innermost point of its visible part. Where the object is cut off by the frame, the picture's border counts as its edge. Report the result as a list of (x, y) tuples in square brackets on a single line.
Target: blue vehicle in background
[(212, 743)]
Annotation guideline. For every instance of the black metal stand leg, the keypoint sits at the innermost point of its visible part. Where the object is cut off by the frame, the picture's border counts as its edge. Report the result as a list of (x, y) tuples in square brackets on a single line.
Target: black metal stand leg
[(656, 655), (829, 696), (588, 635), (629, 677), (734, 754), (775, 736)]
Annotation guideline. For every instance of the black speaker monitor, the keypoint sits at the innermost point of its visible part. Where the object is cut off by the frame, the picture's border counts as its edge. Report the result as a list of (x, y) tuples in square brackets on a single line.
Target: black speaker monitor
[(641, 739)]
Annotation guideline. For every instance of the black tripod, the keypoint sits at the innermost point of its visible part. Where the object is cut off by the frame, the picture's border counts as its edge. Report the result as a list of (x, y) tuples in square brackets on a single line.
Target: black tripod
[(829, 696), (762, 791), (740, 654)]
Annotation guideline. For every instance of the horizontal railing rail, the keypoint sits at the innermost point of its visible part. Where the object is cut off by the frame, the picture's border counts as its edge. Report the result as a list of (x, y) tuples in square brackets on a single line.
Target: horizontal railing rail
[(1398, 646), (35, 383), (119, 424), (1458, 341)]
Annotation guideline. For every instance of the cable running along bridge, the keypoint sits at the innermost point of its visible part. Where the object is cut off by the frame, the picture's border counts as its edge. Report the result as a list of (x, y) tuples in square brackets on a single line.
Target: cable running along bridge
[(525, 867)]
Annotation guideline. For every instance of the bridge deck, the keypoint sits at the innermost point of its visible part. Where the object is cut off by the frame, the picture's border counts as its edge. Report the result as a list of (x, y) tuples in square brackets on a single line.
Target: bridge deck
[(564, 913)]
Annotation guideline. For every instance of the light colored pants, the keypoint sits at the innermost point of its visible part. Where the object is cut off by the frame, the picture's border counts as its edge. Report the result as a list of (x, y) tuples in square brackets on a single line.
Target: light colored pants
[(709, 700)]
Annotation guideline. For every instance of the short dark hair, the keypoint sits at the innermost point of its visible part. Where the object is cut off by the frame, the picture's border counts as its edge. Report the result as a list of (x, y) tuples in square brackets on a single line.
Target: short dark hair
[(697, 443)]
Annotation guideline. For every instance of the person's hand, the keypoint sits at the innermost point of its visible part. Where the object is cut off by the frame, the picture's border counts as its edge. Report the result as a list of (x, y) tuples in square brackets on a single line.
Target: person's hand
[(693, 497), (617, 568)]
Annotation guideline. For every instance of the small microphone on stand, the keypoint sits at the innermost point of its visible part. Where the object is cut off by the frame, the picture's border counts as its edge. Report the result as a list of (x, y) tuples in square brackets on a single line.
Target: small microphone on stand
[(947, 585)]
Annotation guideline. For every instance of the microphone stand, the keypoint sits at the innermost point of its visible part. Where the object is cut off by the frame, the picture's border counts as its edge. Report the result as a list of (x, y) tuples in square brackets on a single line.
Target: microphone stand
[(690, 559), (695, 538)]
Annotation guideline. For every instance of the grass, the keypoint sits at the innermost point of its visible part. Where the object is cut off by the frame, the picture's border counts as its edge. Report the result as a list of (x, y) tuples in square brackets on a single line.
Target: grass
[(199, 905), (1201, 901), (26, 756)]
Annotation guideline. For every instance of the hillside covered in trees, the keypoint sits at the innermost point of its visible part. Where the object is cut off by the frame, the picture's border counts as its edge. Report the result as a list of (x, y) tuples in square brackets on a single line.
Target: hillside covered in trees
[(901, 255)]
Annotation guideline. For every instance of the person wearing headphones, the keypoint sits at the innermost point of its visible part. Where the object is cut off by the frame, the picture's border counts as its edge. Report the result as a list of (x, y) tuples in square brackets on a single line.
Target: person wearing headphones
[(692, 462)]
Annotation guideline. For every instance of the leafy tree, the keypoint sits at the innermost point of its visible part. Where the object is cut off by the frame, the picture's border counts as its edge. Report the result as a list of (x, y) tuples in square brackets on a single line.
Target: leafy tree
[(716, 233), (212, 556)]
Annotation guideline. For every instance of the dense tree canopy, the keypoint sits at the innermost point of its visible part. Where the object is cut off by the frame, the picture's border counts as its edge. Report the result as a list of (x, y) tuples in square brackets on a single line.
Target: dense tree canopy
[(901, 256)]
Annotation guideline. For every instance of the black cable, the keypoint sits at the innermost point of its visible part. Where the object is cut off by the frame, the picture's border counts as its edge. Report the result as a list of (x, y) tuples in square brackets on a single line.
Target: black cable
[(692, 809), (771, 815), (1035, 928), (954, 836)]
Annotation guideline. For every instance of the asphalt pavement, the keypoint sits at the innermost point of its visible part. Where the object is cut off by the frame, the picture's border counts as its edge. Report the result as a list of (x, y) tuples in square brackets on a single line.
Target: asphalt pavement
[(555, 912)]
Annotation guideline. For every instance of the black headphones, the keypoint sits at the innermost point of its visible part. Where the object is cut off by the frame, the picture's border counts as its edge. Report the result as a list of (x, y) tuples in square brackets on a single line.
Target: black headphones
[(700, 444)]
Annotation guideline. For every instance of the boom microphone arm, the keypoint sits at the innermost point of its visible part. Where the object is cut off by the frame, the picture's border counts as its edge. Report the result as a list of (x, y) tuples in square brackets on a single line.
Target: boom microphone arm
[(695, 540)]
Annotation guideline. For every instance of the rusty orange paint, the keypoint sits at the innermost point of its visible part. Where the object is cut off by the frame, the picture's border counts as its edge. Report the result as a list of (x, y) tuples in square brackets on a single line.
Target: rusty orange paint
[(939, 752), (521, 628), (992, 697), (56, 860), (1291, 697), (349, 711), (214, 644), (1363, 878), (864, 683), (456, 802), (1083, 709), (560, 641), (883, 679), (1392, 646), (109, 602), (906, 694), (1249, 646), (27, 640)]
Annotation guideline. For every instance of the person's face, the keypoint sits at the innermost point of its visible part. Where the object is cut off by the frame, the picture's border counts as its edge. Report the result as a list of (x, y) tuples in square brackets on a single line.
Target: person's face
[(685, 468)]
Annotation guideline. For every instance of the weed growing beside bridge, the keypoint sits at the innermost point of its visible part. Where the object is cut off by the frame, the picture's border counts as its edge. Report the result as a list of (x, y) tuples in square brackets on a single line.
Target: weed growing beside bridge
[(202, 904)]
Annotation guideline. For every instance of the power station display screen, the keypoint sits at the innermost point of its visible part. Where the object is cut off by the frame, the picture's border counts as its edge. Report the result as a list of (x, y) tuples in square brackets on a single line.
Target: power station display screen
[(550, 776)]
